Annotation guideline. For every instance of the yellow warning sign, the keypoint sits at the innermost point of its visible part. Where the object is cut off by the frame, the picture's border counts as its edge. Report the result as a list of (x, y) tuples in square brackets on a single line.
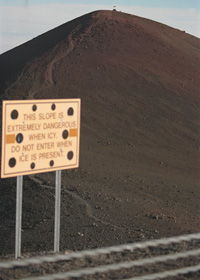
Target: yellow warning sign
[(40, 136)]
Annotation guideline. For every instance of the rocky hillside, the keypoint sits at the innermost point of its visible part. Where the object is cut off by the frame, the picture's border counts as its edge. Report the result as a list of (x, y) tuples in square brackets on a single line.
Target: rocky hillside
[(139, 158)]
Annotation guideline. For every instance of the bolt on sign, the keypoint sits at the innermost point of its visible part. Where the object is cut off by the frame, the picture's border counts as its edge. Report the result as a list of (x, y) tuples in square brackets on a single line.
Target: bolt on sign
[(40, 136)]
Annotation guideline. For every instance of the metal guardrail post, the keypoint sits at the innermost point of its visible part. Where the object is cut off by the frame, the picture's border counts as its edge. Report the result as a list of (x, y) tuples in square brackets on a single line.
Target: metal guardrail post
[(57, 212), (18, 216)]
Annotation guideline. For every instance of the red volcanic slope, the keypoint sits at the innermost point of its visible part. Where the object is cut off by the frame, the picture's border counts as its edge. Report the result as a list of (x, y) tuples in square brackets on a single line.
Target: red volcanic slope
[(139, 85)]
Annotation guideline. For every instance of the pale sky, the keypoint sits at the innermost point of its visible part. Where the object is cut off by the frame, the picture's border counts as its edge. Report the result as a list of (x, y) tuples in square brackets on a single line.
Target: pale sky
[(22, 20)]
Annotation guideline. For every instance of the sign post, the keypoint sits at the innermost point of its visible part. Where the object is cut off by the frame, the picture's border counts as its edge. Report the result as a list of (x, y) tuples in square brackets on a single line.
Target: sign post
[(57, 212), (39, 136), (18, 224)]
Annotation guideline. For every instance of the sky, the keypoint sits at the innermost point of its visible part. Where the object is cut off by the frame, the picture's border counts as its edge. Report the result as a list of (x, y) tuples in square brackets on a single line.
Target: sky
[(22, 20)]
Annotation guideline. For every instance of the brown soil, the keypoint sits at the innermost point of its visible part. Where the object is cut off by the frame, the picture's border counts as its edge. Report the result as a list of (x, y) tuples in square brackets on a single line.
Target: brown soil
[(139, 157)]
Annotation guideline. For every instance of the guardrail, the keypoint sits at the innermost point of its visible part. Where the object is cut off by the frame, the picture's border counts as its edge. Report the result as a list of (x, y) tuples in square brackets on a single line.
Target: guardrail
[(162, 258)]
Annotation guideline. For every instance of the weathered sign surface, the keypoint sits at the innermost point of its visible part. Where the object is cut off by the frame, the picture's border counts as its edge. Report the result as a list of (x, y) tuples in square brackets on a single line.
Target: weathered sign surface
[(40, 136)]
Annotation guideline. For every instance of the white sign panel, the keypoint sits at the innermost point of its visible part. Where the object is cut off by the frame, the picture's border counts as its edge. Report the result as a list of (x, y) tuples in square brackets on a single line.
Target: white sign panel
[(40, 136)]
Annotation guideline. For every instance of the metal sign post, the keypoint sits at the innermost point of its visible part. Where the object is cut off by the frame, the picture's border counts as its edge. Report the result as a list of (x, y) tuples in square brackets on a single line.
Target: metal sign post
[(57, 211), (18, 216)]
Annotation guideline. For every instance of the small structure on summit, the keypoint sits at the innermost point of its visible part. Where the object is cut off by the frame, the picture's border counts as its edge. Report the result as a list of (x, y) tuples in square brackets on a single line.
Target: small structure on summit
[(115, 8)]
